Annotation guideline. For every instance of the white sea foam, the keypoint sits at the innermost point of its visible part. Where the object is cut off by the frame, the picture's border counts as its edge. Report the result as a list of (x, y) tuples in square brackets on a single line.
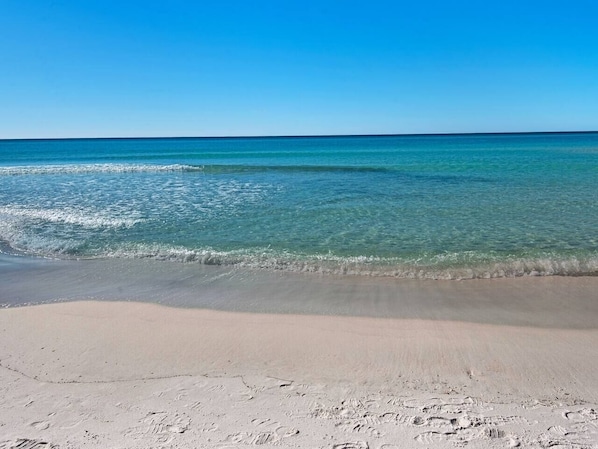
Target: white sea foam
[(93, 168), (363, 265), (86, 219), (16, 237)]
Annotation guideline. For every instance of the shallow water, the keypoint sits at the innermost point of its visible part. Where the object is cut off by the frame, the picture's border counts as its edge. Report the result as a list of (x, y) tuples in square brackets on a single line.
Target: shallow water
[(407, 206)]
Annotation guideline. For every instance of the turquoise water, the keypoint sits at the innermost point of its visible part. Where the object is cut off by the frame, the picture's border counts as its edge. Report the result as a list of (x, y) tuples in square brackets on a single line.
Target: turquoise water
[(458, 206)]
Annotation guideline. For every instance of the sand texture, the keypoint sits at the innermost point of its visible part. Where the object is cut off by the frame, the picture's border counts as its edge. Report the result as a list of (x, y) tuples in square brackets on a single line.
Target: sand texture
[(134, 375)]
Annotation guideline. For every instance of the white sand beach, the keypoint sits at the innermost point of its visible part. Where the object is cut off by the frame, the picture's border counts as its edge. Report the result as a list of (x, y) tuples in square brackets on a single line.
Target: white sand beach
[(138, 375)]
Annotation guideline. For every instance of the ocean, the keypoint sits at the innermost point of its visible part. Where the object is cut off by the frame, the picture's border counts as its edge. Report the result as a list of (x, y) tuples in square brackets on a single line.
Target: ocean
[(424, 207)]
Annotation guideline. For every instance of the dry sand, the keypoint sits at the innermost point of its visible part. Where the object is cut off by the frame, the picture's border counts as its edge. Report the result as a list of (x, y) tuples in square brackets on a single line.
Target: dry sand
[(136, 375)]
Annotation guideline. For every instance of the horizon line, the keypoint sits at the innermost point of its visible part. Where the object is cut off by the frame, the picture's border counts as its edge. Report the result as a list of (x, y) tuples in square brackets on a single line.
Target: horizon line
[(297, 136)]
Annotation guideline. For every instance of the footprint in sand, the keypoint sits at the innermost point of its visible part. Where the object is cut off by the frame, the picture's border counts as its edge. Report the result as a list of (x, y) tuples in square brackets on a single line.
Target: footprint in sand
[(239, 437), (358, 426), (372, 420), (578, 435), (263, 438), (194, 406), (208, 427), (422, 403), (440, 422), (582, 415), (351, 445), (496, 421), (254, 439), (355, 403), (323, 412), (162, 426), (399, 418), (432, 437), (463, 437), (548, 442), (278, 430), (493, 432), (24, 443), (181, 396), (40, 425), (445, 406), (558, 430)]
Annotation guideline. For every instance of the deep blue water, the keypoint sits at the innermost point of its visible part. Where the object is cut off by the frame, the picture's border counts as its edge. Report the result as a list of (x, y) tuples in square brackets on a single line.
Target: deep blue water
[(457, 206)]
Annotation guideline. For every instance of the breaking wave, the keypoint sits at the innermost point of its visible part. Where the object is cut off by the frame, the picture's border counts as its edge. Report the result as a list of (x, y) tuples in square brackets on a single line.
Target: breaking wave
[(216, 169), (94, 168), (330, 264)]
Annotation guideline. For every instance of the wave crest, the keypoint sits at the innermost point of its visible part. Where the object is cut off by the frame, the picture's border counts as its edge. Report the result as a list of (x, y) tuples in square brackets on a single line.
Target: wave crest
[(94, 168), (365, 265)]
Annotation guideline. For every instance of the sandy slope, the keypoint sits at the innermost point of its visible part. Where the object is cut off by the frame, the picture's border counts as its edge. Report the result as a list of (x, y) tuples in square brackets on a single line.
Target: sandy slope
[(133, 375)]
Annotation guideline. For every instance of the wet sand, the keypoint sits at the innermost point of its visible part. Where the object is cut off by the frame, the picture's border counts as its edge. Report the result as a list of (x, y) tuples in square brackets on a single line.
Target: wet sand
[(554, 301)]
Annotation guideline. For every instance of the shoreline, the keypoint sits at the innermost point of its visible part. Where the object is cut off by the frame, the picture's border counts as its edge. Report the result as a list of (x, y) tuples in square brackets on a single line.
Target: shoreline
[(547, 302), (366, 267)]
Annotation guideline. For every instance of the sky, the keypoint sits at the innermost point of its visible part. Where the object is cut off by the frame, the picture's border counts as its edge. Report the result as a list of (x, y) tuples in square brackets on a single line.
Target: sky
[(224, 68)]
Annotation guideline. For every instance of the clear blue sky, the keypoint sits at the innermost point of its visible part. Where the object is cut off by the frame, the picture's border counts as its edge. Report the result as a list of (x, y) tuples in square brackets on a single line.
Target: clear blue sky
[(192, 68)]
